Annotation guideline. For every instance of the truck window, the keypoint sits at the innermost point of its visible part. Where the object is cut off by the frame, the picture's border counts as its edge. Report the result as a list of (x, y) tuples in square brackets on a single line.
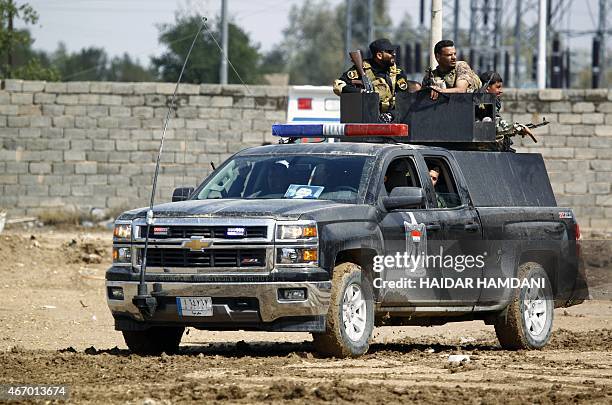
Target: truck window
[(401, 173), (441, 177)]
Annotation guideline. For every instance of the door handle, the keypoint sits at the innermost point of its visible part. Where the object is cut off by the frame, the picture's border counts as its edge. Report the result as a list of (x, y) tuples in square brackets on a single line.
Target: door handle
[(471, 227), (433, 227)]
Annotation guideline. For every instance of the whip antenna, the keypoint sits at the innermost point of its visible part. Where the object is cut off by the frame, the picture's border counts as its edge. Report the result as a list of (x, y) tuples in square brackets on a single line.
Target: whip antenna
[(144, 301)]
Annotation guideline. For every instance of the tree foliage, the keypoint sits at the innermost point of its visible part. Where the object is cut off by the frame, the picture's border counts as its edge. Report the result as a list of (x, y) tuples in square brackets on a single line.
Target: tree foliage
[(203, 66)]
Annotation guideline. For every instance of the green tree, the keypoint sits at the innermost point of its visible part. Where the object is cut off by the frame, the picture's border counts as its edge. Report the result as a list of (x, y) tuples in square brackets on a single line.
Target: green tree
[(17, 59), (124, 69), (203, 66), (86, 64)]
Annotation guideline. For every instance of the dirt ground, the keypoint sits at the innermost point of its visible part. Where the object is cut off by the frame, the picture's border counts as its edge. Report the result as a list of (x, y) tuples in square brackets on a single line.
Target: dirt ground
[(56, 329)]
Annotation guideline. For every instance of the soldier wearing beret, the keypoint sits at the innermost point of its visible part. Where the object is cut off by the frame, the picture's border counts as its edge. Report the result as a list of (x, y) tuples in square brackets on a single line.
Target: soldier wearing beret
[(385, 76)]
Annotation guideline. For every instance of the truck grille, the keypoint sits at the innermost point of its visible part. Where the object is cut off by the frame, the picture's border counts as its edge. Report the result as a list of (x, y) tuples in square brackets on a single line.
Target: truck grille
[(219, 232), (208, 258)]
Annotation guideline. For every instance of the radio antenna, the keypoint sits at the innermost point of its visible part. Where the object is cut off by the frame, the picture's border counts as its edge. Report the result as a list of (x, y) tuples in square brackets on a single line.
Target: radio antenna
[(144, 301)]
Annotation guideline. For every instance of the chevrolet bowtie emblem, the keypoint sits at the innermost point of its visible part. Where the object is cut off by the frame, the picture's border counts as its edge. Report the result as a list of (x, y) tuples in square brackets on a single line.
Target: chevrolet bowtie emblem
[(197, 244)]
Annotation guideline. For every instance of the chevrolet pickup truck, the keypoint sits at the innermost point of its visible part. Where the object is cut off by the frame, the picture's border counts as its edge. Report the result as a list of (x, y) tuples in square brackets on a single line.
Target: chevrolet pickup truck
[(339, 238)]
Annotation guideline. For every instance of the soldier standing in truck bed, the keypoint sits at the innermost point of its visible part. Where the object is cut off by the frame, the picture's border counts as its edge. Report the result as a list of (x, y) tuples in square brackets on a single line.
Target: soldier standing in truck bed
[(385, 76), (451, 75)]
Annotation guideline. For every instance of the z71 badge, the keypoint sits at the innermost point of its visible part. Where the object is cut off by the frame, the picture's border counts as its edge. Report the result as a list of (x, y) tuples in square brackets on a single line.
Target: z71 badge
[(565, 214)]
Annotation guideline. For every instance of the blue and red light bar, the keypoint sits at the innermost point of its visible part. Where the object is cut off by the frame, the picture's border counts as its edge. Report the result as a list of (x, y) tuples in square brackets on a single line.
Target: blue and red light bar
[(335, 130)]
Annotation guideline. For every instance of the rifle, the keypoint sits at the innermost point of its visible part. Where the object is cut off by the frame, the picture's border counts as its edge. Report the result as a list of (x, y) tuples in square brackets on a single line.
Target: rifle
[(358, 61), (532, 126)]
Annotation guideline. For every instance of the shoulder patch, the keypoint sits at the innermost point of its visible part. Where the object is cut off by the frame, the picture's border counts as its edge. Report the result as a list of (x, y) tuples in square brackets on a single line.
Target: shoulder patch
[(352, 74), (402, 84)]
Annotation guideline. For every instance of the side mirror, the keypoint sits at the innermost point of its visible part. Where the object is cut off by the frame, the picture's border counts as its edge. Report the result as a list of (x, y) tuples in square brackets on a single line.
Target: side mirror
[(404, 197), (181, 193)]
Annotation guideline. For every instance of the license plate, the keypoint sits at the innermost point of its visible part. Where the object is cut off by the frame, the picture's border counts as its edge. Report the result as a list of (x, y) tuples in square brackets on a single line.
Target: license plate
[(194, 306)]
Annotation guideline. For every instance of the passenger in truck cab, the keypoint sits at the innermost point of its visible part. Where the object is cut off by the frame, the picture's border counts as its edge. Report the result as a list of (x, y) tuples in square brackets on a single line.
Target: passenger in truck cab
[(434, 173)]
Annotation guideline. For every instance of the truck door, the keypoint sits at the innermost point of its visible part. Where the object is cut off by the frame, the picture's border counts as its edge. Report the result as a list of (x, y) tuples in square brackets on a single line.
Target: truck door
[(463, 252), (409, 234)]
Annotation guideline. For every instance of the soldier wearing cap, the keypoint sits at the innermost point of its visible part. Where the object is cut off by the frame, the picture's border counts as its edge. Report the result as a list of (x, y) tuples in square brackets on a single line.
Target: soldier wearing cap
[(385, 76), (451, 75)]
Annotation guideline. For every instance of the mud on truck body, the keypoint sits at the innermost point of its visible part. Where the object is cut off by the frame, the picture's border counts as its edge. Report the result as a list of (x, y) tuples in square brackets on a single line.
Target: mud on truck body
[(311, 237)]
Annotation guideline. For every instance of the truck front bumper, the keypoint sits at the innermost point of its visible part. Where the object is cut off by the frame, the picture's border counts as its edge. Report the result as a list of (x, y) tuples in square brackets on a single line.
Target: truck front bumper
[(236, 305)]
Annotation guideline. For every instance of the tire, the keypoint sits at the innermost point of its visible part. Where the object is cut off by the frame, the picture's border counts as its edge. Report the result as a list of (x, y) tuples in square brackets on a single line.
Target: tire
[(349, 325), (154, 341), (528, 320)]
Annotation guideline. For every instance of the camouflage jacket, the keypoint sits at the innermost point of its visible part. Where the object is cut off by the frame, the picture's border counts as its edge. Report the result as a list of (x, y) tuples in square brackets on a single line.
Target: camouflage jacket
[(386, 82), (448, 80)]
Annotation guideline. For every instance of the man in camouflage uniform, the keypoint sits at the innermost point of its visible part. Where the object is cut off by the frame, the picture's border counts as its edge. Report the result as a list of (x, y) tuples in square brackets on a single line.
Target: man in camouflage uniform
[(385, 76), (451, 75), (504, 130)]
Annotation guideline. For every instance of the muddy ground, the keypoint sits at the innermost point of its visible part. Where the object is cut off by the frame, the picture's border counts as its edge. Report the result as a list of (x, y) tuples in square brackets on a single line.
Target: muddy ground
[(56, 329)]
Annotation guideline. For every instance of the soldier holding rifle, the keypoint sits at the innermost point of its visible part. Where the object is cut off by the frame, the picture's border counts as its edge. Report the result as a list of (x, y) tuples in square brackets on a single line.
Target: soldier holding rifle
[(378, 73)]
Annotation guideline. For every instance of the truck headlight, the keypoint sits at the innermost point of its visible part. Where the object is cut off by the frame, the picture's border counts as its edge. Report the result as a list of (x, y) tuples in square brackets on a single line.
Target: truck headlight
[(123, 232), (122, 255), (297, 256), (296, 231)]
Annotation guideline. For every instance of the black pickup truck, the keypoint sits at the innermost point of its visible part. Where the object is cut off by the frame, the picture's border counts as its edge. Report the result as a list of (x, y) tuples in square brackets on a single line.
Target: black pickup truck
[(338, 238)]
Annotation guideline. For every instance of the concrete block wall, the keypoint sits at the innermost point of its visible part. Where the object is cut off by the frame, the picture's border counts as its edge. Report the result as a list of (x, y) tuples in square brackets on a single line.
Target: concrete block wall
[(83, 145)]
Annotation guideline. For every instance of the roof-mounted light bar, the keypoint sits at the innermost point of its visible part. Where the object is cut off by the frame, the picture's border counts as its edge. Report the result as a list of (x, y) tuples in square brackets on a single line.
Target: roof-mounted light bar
[(335, 130)]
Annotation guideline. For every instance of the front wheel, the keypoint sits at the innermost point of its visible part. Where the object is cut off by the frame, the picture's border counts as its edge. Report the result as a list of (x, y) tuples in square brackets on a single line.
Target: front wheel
[(154, 341), (527, 323), (350, 318)]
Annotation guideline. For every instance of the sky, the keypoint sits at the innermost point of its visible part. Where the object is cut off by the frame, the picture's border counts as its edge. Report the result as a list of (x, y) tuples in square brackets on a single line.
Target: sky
[(131, 25)]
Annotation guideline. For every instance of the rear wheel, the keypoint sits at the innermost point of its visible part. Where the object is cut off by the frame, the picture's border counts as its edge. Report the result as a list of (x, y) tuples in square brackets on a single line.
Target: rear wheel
[(527, 323), (350, 318), (154, 341)]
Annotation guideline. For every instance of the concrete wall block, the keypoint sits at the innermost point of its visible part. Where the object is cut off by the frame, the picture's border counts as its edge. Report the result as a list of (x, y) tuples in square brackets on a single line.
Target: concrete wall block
[(209, 112), (18, 122), (129, 122), (549, 141), (576, 188), (243, 102), (40, 190), (55, 87), (67, 99), (583, 107), (211, 89), (119, 112), (74, 179), (602, 142), (74, 155), (44, 98), (570, 118), (266, 103), (278, 116), (605, 200), (75, 110), (593, 118), (13, 85), (583, 130), (33, 86), (156, 100), (221, 101), (186, 112), (85, 122), (144, 134), (108, 99), (82, 190), (142, 157), (216, 147), (604, 154), (144, 88), (131, 101), (560, 107), (63, 168), (174, 146), (8, 179), (600, 188), (29, 132), (89, 99), (200, 101), (9, 109), (97, 111), (217, 125), (3, 122), (13, 167), (105, 145), (559, 129), (608, 119), (143, 112), (53, 110), (86, 168), (101, 87), (36, 144), (603, 130), (22, 98), (96, 179), (165, 88), (197, 124), (40, 122), (63, 121), (550, 94), (108, 168), (108, 122), (596, 94), (119, 157), (59, 190), (122, 88), (602, 165), (81, 144), (605, 108), (5, 97), (261, 125), (77, 87), (187, 88)]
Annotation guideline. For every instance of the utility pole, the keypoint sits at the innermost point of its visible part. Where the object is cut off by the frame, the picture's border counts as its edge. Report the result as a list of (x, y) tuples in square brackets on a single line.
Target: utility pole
[(348, 38), (456, 24), (9, 48), (225, 53), (603, 15), (517, 45), (541, 77), (370, 21), (473, 55), (436, 29), (497, 36)]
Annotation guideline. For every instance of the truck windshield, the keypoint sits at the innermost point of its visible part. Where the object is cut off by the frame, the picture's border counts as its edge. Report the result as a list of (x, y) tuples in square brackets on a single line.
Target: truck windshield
[(323, 177)]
